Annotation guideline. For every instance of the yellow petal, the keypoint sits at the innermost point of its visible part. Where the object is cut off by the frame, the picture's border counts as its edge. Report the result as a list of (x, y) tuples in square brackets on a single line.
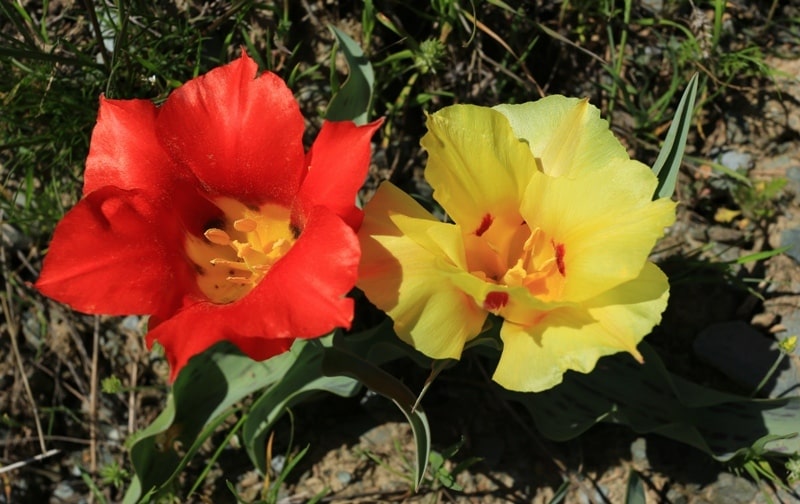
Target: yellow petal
[(567, 135), (606, 221), (407, 265), (477, 168), (535, 358)]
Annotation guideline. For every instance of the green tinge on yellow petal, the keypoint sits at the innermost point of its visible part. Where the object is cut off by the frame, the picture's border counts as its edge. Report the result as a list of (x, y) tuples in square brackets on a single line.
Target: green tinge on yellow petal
[(476, 165), (567, 135), (606, 221), (535, 357), (406, 270)]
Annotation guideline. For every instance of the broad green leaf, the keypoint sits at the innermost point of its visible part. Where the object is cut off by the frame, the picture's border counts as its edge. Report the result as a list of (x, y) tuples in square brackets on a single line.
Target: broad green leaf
[(304, 378), (340, 362), (648, 398), (354, 97), (670, 157), (201, 398)]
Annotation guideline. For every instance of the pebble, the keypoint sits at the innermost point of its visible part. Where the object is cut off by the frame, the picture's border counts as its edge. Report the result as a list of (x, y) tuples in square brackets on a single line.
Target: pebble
[(63, 491), (277, 463), (731, 489), (344, 477), (639, 453), (791, 238), (737, 161)]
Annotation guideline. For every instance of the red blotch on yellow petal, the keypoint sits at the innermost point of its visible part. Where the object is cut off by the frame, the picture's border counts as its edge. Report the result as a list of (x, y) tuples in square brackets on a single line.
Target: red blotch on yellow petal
[(486, 222), (560, 249), (495, 300)]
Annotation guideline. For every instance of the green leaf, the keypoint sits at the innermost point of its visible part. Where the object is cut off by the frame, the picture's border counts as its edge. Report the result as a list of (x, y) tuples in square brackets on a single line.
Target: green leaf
[(353, 99), (304, 378), (634, 494), (340, 362), (649, 399), (200, 399), (669, 159)]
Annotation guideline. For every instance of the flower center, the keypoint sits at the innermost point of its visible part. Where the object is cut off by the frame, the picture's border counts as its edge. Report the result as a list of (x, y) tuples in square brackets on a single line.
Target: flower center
[(512, 253), (238, 250)]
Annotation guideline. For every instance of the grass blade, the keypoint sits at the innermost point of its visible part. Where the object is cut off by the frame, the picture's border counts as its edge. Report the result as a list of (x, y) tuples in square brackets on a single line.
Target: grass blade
[(669, 159)]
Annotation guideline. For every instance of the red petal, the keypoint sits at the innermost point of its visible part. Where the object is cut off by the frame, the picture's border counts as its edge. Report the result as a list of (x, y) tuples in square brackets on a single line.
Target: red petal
[(114, 254), (240, 134), (302, 296), (337, 166), (124, 151)]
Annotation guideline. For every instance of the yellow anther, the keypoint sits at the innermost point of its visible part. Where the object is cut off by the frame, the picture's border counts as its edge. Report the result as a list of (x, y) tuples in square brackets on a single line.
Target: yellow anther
[(239, 280), (245, 225), (217, 236), (515, 276), (241, 253), (234, 265)]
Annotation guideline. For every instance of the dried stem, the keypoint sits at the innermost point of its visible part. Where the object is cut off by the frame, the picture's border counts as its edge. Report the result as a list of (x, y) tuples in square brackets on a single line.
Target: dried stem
[(93, 397), (11, 326)]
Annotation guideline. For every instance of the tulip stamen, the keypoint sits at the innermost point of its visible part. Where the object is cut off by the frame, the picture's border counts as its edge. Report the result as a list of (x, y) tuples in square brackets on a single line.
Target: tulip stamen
[(241, 247)]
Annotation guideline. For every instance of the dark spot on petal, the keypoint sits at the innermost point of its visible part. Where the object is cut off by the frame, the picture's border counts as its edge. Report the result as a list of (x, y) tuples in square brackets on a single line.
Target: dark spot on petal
[(216, 286), (560, 250), (295, 231), (495, 301), (485, 223), (231, 272), (198, 269), (216, 222)]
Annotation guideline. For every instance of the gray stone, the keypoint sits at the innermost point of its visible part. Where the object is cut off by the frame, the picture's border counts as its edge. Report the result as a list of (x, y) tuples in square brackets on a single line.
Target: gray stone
[(730, 489), (639, 453), (63, 491), (791, 238), (344, 477), (737, 161)]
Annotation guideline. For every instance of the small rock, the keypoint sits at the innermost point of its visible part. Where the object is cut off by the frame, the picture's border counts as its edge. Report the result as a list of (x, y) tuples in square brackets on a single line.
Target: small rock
[(674, 496), (63, 491), (763, 320), (639, 453), (791, 238), (655, 6), (724, 234), (737, 161), (13, 238), (277, 463), (730, 489), (344, 477)]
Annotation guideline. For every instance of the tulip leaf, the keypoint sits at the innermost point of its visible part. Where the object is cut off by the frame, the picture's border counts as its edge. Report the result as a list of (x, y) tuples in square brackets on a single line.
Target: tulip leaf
[(634, 493), (670, 157), (649, 399), (304, 378), (353, 99), (201, 398), (343, 363)]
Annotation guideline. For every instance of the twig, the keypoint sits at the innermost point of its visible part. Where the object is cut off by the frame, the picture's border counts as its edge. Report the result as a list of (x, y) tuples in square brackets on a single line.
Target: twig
[(22, 463), (132, 397), (93, 397), (12, 332), (488, 31), (98, 32), (52, 437)]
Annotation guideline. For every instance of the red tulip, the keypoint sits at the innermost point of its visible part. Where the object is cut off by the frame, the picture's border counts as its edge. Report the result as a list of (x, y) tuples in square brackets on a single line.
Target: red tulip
[(206, 214)]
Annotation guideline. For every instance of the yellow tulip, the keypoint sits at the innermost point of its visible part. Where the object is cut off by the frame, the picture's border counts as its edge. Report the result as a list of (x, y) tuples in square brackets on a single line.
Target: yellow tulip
[(552, 225)]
